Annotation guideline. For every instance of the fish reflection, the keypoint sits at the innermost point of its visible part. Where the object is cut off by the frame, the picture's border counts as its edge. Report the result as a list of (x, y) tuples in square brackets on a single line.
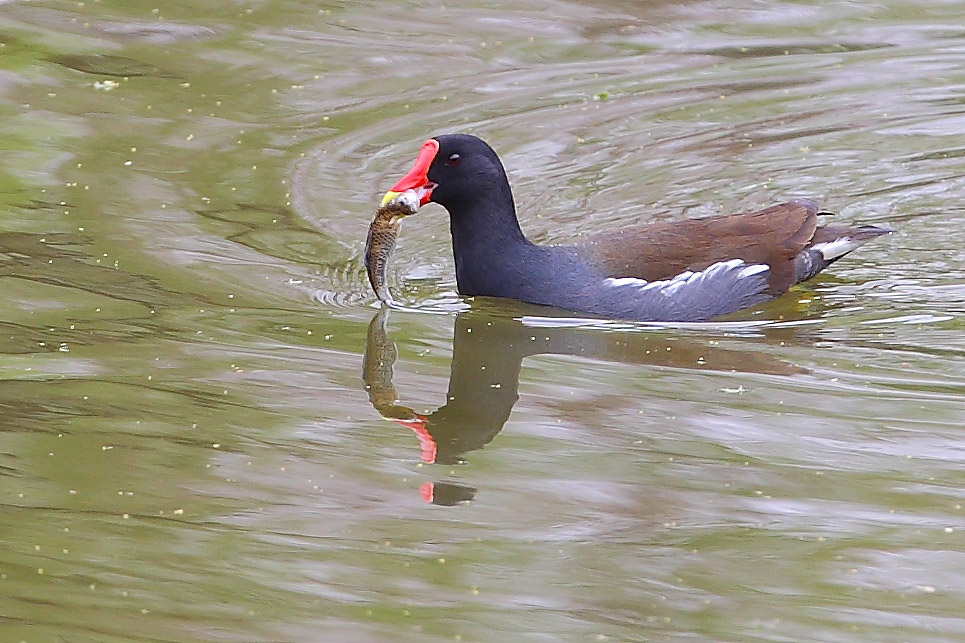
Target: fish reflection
[(487, 355)]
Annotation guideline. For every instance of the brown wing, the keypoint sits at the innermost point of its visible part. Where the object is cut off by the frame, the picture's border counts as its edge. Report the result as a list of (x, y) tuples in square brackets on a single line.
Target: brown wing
[(771, 236)]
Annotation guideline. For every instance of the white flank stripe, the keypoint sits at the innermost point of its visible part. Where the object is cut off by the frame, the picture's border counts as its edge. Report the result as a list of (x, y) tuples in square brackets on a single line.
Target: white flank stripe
[(672, 285), (754, 269), (625, 281), (837, 248)]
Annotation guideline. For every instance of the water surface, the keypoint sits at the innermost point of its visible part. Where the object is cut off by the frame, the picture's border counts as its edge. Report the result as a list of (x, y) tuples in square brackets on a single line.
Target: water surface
[(208, 433)]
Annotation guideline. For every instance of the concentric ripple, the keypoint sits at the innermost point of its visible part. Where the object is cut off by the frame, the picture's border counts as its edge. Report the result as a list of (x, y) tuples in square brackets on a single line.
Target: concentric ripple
[(632, 131), (212, 431)]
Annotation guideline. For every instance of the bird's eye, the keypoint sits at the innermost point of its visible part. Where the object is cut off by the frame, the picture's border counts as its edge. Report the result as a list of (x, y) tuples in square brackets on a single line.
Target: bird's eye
[(453, 160)]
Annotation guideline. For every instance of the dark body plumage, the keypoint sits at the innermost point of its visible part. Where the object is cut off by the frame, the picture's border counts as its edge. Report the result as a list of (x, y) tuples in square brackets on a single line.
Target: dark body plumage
[(689, 270)]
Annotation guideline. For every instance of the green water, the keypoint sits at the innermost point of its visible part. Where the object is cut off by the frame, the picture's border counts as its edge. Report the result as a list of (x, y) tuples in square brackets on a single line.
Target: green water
[(207, 434)]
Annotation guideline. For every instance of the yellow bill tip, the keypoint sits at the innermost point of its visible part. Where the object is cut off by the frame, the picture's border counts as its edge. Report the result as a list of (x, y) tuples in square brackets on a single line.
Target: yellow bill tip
[(388, 197)]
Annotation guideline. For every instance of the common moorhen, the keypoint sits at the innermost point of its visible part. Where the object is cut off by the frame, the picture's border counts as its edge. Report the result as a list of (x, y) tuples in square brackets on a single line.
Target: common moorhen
[(690, 270)]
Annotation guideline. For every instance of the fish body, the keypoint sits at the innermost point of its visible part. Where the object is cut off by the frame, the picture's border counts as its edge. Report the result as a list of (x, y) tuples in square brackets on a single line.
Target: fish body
[(383, 232)]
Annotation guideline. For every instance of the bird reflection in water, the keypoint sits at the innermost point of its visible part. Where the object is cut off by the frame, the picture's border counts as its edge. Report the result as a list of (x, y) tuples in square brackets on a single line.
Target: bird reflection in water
[(487, 354)]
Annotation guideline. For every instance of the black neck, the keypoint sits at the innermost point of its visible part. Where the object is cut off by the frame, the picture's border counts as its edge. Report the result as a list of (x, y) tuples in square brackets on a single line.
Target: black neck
[(486, 241)]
